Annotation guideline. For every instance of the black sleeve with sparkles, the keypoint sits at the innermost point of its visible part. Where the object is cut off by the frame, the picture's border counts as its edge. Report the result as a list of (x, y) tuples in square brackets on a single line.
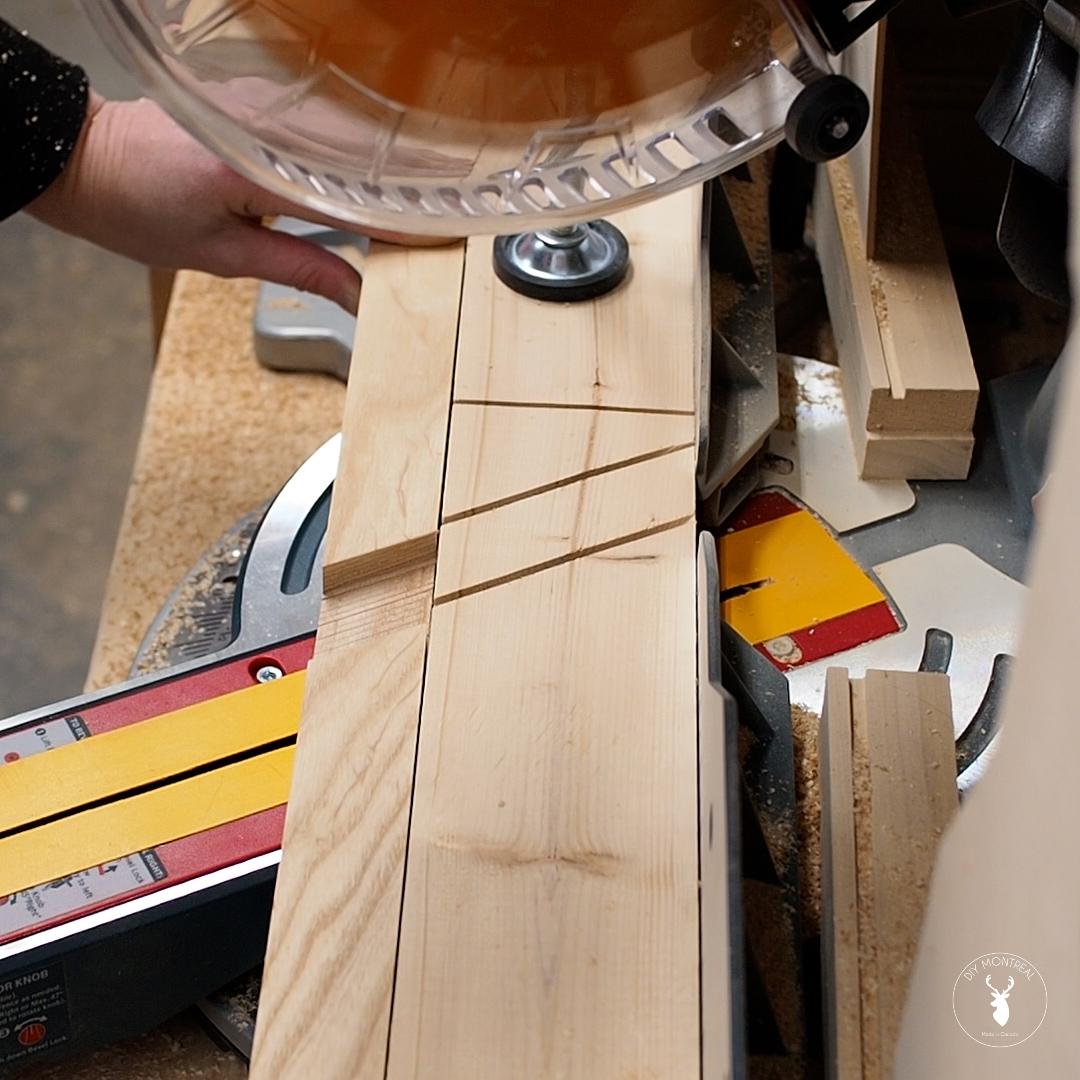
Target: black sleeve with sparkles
[(42, 110)]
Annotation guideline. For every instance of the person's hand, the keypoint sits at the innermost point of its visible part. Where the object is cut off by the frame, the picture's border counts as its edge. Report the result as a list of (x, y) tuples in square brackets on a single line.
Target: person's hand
[(139, 185)]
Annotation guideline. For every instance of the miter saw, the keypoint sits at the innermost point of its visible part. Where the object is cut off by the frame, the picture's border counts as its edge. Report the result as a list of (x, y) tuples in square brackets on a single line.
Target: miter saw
[(527, 119)]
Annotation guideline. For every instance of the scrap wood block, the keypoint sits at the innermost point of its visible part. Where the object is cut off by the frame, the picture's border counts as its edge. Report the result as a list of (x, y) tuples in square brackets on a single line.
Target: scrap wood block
[(906, 367), (888, 770)]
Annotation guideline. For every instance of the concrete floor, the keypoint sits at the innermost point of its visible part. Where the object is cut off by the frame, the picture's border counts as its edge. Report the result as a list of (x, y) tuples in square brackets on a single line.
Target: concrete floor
[(75, 362)]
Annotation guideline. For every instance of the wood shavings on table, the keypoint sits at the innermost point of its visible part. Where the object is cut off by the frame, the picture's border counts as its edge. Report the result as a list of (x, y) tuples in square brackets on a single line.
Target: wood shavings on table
[(804, 729), (178, 1050)]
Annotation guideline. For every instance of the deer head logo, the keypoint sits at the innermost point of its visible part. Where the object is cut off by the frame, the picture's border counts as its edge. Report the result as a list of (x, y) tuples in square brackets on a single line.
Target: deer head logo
[(1000, 1005)]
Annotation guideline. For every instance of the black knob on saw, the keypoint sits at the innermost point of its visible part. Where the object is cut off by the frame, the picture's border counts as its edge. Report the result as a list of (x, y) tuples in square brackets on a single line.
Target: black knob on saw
[(827, 118)]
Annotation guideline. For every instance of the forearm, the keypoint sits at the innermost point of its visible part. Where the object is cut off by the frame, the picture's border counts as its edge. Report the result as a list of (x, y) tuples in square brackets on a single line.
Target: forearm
[(43, 103)]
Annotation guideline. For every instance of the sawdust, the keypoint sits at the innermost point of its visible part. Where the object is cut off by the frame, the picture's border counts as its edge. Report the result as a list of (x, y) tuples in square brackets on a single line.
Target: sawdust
[(220, 437), (178, 1050), (724, 293), (878, 294), (771, 935), (750, 205), (211, 585), (779, 835), (788, 390), (864, 877), (804, 730), (793, 1067), (244, 1003)]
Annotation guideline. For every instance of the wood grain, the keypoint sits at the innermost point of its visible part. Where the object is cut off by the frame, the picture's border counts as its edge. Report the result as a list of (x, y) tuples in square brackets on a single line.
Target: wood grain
[(399, 397), (336, 906), (913, 796), (503, 454), (615, 352), (550, 921), (888, 772), (839, 899), (906, 369), (338, 898)]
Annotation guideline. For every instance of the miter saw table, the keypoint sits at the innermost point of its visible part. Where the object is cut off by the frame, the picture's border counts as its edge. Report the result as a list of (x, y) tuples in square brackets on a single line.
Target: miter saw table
[(234, 663)]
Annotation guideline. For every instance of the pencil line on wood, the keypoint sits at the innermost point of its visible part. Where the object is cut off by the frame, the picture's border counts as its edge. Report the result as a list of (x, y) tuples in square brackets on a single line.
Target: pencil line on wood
[(566, 481), (548, 564), (574, 405)]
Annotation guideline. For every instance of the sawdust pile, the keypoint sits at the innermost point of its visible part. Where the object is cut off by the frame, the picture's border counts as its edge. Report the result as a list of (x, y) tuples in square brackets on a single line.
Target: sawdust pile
[(804, 730), (178, 1050)]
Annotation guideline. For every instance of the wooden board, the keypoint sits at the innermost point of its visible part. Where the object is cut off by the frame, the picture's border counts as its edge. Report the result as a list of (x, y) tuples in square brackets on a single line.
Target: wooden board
[(338, 896), (1025, 806), (396, 414), (540, 808), (612, 353), (723, 999), (910, 456), (863, 373), (931, 385), (550, 918), (908, 376), (839, 899), (913, 796), (906, 369), (550, 923), (888, 792), (863, 63)]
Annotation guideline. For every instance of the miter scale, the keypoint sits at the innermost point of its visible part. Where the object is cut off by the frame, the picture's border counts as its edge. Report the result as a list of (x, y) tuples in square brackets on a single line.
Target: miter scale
[(130, 934)]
